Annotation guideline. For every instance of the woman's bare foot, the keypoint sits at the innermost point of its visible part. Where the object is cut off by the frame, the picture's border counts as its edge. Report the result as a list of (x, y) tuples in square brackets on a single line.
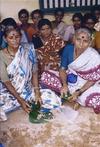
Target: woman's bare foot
[(76, 106)]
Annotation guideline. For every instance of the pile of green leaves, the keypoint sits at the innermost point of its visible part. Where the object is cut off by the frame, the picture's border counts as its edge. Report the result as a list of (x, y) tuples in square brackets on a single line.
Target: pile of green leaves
[(37, 116)]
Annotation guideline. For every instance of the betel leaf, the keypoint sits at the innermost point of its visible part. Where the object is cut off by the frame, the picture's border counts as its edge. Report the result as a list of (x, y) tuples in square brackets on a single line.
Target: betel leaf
[(35, 107), (33, 118), (38, 116)]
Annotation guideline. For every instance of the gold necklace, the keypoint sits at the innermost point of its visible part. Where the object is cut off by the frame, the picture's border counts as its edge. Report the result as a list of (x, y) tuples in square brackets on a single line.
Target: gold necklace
[(10, 54)]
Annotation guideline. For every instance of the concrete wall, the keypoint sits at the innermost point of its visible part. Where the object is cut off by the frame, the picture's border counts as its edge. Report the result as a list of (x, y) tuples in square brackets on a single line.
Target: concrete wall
[(10, 8)]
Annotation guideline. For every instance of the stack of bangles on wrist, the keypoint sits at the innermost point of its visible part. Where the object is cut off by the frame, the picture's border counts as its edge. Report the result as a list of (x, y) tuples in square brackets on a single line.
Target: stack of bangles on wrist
[(79, 91)]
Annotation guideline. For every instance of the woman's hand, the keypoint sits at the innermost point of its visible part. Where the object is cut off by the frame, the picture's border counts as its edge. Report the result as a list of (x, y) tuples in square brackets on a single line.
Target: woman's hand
[(26, 107), (38, 96), (74, 96), (38, 99), (64, 91)]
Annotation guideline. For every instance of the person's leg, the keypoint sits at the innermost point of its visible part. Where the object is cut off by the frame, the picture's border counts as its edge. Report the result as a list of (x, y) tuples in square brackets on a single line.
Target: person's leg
[(8, 102)]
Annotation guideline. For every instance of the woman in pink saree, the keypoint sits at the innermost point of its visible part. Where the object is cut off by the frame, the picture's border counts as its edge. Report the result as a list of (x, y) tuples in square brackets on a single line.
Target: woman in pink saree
[(83, 73)]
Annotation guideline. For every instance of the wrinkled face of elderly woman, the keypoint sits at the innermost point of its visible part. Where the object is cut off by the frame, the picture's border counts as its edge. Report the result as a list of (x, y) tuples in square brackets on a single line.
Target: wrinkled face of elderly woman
[(82, 41), (13, 38)]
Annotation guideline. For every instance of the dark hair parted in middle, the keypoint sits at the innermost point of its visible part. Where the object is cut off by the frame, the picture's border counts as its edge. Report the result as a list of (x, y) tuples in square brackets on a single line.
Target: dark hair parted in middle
[(43, 22), (8, 30), (23, 11), (88, 16), (37, 11), (9, 22), (78, 15), (61, 10)]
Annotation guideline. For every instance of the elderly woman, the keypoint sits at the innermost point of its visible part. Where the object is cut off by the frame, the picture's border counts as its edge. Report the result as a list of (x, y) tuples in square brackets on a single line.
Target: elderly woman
[(18, 73), (82, 63)]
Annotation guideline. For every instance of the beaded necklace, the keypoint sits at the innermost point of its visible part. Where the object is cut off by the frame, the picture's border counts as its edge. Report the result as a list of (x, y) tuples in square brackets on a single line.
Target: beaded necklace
[(12, 55)]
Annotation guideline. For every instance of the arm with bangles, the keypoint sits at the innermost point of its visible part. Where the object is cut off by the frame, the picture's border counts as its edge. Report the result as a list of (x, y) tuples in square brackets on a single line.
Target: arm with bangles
[(21, 101), (63, 75), (78, 92), (35, 83)]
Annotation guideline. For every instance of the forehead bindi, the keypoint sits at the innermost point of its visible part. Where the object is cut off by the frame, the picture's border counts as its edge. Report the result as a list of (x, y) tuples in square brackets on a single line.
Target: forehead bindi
[(13, 33), (83, 36)]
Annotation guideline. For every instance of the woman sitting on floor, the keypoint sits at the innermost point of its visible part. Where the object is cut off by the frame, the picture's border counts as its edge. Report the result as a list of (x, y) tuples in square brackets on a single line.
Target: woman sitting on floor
[(50, 45), (19, 77), (82, 63), (18, 73)]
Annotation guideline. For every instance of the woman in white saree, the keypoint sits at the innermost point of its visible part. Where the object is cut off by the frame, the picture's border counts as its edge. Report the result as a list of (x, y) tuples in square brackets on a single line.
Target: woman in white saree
[(83, 73)]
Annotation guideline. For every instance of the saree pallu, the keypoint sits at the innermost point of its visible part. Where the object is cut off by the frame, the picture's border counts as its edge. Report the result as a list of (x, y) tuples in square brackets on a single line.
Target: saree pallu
[(20, 73), (86, 68)]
